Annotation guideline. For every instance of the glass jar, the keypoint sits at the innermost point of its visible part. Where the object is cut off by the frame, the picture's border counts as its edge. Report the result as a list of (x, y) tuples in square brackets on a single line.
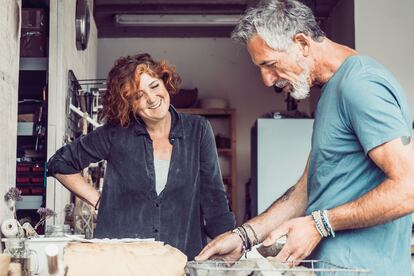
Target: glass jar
[(57, 230), (26, 257)]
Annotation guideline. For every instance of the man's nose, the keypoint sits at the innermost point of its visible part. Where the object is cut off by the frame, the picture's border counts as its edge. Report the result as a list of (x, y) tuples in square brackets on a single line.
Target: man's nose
[(269, 77)]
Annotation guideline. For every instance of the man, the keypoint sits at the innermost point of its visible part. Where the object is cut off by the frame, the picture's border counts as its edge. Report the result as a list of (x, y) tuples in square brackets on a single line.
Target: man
[(353, 202)]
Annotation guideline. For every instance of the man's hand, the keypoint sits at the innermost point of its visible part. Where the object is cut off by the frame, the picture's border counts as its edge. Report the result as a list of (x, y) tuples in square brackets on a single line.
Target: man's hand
[(302, 238), (227, 247)]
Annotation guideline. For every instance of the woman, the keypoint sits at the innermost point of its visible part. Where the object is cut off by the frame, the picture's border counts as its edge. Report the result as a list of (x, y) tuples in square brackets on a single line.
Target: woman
[(162, 180)]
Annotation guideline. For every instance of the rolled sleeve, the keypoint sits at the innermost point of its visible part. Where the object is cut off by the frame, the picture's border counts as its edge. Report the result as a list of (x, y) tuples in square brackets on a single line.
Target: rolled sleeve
[(74, 157), (220, 224)]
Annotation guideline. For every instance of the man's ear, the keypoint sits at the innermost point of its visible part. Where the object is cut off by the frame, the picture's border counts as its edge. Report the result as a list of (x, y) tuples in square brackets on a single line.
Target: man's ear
[(303, 42)]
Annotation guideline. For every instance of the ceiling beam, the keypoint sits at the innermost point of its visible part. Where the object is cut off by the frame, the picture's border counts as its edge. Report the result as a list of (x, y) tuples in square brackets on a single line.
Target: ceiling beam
[(105, 11), (170, 9), (171, 2)]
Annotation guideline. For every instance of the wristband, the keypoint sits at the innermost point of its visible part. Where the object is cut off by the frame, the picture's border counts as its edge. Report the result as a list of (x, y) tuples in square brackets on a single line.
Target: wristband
[(97, 203)]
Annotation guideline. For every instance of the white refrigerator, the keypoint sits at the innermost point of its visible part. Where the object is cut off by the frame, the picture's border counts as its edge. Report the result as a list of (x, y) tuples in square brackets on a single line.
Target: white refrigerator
[(280, 148)]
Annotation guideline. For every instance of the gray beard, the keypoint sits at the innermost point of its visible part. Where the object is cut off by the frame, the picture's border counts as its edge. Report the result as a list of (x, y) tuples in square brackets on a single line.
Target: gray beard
[(300, 88)]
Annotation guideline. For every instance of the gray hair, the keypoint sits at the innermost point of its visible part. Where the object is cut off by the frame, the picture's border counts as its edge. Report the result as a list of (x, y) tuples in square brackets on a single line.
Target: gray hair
[(277, 22)]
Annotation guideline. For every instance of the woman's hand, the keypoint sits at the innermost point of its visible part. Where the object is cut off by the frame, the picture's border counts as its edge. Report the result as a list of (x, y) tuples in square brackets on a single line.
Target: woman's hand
[(228, 247)]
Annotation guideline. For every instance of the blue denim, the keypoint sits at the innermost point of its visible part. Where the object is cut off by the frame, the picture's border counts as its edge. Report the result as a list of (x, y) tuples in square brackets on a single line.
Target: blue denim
[(193, 203)]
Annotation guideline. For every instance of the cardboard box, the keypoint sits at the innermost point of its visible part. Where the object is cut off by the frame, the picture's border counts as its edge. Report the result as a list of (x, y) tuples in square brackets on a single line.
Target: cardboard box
[(37, 190), (30, 117), (34, 20), (37, 179), (24, 190), (23, 168), (22, 180), (33, 44)]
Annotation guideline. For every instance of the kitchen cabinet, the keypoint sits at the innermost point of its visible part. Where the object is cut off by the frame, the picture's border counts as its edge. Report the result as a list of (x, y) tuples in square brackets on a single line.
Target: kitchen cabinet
[(31, 137), (223, 122)]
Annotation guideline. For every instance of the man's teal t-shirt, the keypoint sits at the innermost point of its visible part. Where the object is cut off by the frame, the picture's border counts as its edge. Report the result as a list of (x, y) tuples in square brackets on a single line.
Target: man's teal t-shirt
[(361, 107)]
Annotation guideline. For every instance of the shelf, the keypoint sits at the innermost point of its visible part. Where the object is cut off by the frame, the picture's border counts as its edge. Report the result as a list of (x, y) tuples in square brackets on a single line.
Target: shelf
[(29, 202), (207, 111), (33, 64), (224, 118), (25, 128), (225, 151)]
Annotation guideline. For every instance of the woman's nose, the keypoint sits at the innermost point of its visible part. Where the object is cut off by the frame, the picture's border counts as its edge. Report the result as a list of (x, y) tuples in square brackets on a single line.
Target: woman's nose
[(151, 98)]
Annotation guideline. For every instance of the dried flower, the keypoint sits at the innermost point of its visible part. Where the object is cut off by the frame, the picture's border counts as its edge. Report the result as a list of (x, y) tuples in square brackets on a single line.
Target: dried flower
[(13, 194), (44, 213)]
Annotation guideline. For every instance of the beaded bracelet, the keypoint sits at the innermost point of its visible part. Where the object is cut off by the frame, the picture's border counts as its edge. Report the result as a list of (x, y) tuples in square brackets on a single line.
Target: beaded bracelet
[(321, 220), (248, 243), (240, 234), (326, 224), (324, 230), (256, 240), (318, 225), (246, 237)]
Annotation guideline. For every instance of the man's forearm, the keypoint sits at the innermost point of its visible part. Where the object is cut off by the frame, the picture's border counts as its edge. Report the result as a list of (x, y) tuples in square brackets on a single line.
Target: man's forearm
[(375, 207), (78, 185), (291, 204)]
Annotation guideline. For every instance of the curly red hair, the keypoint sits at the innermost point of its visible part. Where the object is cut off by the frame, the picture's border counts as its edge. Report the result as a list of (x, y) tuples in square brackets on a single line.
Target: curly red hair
[(123, 81)]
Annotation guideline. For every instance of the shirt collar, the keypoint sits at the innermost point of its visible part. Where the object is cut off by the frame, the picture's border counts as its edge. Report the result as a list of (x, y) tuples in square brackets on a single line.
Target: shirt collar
[(176, 130)]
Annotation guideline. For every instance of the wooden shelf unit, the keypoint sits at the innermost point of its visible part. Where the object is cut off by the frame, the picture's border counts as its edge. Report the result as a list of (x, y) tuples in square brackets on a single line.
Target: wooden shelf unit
[(208, 111), (228, 114), (32, 131)]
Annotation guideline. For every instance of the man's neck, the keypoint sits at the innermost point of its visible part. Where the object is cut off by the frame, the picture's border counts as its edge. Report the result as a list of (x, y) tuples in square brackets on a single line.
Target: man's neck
[(329, 56)]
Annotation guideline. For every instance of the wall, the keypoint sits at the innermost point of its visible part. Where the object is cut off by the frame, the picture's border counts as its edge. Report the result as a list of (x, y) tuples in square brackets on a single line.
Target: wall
[(9, 72), (218, 68), (64, 56), (383, 30)]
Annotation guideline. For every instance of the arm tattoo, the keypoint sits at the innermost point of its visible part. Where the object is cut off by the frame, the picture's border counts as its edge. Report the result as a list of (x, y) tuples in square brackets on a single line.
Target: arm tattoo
[(284, 197), (405, 140)]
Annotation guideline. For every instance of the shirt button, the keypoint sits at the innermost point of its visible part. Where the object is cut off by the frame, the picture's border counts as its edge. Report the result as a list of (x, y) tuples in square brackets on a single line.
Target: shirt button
[(157, 205), (155, 230)]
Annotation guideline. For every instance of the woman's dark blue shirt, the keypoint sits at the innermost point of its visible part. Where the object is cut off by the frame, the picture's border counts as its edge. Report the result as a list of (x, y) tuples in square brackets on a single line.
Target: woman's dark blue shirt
[(193, 203)]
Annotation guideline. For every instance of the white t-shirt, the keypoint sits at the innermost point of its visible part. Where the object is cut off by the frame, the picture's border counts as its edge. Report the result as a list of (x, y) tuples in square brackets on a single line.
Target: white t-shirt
[(161, 174)]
